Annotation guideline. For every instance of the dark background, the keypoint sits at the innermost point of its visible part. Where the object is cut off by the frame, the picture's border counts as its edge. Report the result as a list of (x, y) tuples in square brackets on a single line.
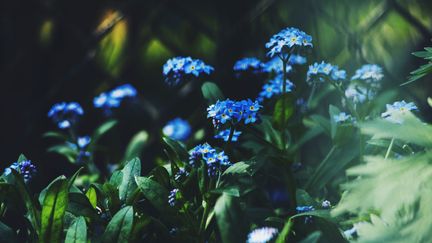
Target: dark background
[(52, 51)]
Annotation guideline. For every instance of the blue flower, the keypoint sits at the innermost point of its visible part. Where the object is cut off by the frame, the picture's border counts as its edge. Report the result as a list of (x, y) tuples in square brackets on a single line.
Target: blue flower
[(177, 129), (83, 141), (181, 173), (113, 98), (318, 72), (397, 111), (358, 93), (179, 69), (172, 197), (251, 64), (305, 209), (262, 235), (224, 134), (370, 73), (326, 204), (233, 112), (342, 117), (215, 161), (26, 168), (65, 115), (275, 65), (274, 87), (338, 74), (286, 39), (295, 59)]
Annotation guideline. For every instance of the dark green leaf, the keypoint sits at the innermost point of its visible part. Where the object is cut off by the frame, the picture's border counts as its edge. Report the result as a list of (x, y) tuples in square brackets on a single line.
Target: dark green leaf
[(77, 232), (128, 185), (211, 92), (7, 234), (153, 191), (228, 217), (120, 226), (136, 145)]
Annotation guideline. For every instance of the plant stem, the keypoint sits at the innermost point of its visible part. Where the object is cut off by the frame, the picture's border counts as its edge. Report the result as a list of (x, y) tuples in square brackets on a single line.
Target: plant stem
[(312, 93), (204, 218), (319, 168), (389, 148)]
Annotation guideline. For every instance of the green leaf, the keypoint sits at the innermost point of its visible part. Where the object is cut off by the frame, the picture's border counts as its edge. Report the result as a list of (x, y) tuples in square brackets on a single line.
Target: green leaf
[(178, 148), (228, 217), (136, 145), (312, 238), (7, 234), (211, 92), (283, 236), (154, 192), (102, 129), (77, 232), (238, 168), (120, 226), (128, 185), (80, 205), (56, 135), (53, 210), (279, 111), (412, 130), (92, 196), (33, 214)]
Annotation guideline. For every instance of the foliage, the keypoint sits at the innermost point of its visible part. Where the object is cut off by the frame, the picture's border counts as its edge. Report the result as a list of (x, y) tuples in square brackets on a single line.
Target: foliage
[(265, 181)]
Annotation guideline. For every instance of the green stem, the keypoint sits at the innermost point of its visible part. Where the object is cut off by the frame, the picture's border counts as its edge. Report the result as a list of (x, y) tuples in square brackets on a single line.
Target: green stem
[(319, 168), (389, 148), (312, 93), (204, 218)]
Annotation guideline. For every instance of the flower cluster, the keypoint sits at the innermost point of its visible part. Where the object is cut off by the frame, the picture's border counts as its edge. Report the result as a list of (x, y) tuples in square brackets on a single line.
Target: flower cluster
[(177, 129), (215, 161), (274, 87), (178, 69), (26, 168), (358, 93), (305, 209), (251, 64), (224, 134), (262, 235), (286, 39), (81, 148), (342, 118), (233, 112), (65, 115), (318, 72), (172, 197), (370, 73), (397, 111), (181, 173), (113, 99)]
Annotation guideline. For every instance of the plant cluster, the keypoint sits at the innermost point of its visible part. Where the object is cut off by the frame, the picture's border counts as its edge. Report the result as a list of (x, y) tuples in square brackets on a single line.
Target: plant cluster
[(272, 171)]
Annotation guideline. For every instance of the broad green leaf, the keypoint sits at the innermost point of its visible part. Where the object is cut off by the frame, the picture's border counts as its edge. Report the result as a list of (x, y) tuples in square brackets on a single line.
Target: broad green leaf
[(228, 217), (279, 111), (112, 195), (211, 92), (128, 185), (116, 178), (153, 192), (178, 148), (136, 145), (412, 130), (77, 232), (53, 211), (80, 205), (92, 196), (238, 168), (120, 226)]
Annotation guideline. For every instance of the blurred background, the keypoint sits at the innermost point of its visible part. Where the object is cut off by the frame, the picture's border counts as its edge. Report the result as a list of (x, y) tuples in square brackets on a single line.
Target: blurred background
[(52, 51)]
